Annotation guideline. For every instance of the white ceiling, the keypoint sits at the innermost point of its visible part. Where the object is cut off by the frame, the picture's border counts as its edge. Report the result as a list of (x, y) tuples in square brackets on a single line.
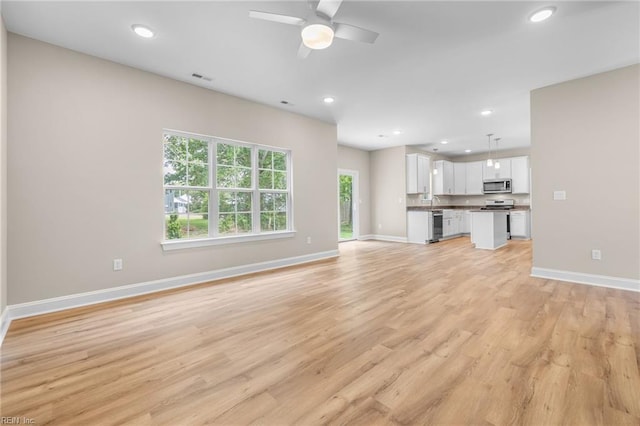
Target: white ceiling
[(434, 67)]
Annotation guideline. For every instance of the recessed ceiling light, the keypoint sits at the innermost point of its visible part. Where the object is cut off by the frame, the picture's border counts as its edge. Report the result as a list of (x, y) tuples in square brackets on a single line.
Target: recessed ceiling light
[(444, 142), (542, 14), (487, 112), (397, 132), (142, 31), (467, 151), (329, 99)]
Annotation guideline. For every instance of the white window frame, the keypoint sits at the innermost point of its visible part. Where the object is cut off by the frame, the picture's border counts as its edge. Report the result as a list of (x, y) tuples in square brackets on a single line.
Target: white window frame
[(214, 237)]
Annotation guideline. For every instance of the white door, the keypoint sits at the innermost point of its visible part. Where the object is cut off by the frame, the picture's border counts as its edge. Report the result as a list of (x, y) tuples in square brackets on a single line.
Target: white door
[(348, 199)]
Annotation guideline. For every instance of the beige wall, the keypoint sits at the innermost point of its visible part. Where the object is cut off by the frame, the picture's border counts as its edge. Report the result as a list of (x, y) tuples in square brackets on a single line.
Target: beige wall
[(586, 141), (388, 192), (358, 160), (3, 167), (85, 172)]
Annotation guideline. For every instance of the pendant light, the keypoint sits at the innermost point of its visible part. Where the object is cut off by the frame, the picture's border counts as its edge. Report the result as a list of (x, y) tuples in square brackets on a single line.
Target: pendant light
[(489, 160), (497, 163)]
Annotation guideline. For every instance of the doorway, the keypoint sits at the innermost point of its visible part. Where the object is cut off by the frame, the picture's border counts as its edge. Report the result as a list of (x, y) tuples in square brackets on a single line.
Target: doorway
[(347, 205)]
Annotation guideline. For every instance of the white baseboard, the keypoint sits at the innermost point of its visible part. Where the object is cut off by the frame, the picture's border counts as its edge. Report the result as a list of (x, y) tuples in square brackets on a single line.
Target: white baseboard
[(5, 321), (590, 279), (389, 238), (365, 237), (39, 307)]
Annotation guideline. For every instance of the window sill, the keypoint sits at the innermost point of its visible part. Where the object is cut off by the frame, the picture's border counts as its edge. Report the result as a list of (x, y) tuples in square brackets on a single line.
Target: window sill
[(205, 242)]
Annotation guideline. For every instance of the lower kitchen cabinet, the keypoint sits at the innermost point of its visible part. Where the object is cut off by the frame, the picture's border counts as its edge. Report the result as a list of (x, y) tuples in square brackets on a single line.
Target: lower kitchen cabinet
[(520, 224), (448, 223), (454, 223), (419, 226)]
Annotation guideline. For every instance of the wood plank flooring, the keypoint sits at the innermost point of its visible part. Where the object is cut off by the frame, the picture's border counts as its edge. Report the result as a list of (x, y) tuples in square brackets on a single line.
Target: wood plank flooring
[(387, 334)]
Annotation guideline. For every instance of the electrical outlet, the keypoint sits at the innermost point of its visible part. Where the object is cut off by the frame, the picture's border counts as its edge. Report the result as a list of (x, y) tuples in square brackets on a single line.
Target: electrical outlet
[(117, 264), (308, 240), (596, 254), (379, 226)]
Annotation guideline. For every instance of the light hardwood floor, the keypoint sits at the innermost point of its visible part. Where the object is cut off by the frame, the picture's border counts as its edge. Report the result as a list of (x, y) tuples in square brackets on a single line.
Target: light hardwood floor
[(388, 333)]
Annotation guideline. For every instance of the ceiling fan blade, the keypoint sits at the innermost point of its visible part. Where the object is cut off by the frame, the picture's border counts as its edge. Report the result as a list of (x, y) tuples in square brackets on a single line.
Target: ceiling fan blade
[(351, 32), (328, 7), (283, 19), (303, 51)]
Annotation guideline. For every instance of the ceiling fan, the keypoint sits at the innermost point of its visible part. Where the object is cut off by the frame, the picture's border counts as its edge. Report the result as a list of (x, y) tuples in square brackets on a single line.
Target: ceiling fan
[(319, 29)]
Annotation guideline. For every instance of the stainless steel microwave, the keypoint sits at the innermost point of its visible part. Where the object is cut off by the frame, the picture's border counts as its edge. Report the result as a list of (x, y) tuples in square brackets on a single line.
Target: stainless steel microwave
[(496, 186)]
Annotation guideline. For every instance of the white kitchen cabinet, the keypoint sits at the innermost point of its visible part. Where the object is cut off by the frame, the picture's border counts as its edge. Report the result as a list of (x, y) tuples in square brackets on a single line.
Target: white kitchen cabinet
[(443, 178), (520, 224), (520, 175), (466, 223), (452, 223), (504, 172), (459, 178), (459, 216), (473, 177), (418, 174), (419, 226), (448, 223)]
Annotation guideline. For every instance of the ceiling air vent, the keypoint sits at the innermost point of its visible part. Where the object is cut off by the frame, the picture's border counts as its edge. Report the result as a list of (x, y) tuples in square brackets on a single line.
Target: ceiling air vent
[(201, 77)]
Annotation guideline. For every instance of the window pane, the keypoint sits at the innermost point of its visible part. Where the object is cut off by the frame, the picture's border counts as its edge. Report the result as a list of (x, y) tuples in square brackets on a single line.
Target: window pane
[(243, 156), (175, 148), (244, 222), (279, 161), (264, 159), (280, 202), (279, 180), (226, 223), (176, 216), (172, 227), (225, 177), (243, 202), (198, 217), (175, 173), (281, 221), (243, 178), (225, 154), (198, 174), (267, 221), (265, 179), (226, 202), (198, 151), (266, 201)]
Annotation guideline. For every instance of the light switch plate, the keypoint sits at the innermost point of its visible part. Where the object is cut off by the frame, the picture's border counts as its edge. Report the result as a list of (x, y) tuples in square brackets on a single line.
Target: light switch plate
[(560, 195)]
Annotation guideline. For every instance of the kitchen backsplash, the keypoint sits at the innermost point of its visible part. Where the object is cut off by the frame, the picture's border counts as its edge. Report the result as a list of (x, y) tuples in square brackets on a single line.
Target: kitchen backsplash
[(471, 200)]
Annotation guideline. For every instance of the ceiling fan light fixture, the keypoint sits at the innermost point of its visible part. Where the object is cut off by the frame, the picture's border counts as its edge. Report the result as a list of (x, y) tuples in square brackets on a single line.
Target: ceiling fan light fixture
[(317, 36)]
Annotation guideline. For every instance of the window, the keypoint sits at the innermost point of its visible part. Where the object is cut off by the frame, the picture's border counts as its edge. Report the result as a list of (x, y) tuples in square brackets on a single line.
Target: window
[(216, 189)]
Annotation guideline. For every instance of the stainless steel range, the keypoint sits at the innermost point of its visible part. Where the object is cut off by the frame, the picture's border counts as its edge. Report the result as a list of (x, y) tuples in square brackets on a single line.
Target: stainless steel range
[(498, 205), (501, 205)]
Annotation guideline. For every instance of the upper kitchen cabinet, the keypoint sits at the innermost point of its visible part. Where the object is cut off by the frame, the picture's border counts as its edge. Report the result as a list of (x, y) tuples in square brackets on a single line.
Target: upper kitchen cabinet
[(418, 174), (443, 178), (473, 178), (459, 178), (520, 175), (504, 172)]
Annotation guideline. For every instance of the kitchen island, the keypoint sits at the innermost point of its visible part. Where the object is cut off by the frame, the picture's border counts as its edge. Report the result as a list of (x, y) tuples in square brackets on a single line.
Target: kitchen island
[(489, 228)]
